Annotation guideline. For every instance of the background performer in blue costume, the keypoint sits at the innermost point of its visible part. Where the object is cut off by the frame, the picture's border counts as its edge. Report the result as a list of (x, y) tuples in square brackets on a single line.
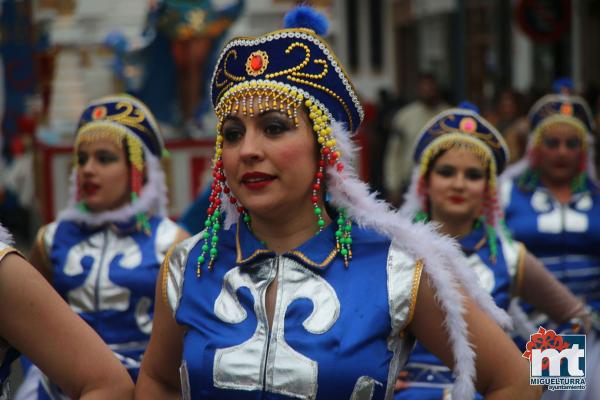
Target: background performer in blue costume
[(35, 321), (286, 296), (552, 205), (104, 252), (457, 158)]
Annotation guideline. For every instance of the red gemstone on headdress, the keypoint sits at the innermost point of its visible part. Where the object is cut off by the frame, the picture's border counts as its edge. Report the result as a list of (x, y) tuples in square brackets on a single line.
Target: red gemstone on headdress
[(468, 125), (566, 109), (99, 112), (256, 62)]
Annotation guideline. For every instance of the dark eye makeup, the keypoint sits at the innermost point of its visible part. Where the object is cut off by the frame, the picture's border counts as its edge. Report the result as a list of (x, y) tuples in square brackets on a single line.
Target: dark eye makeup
[(445, 170), (472, 174), (106, 157), (271, 122), (553, 143)]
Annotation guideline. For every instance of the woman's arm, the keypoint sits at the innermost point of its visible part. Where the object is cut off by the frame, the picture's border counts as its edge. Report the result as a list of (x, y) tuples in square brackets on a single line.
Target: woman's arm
[(500, 370), (37, 322), (543, 291), (159, 374)]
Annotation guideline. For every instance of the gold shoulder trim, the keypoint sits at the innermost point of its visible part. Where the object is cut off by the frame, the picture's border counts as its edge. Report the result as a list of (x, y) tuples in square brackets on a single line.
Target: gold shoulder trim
[(518, 279), (165, 274), (414, 291)]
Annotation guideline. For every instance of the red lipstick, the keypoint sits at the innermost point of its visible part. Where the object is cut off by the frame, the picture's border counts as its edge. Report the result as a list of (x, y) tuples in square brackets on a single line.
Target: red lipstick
[(90, 189), (457, 199), (256, 180)]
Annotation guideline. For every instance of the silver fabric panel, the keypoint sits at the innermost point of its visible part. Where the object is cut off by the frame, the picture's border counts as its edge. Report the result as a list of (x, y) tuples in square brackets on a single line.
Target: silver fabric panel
[(364, 388), (242, 366), (400, 275), (485, 276), (142, 315), (176, 263), (511, 251), (166, 233), (289, 372), (52, 390), (48, 237), (129, 346), (103, 247), (554, 217), (184, 376), (266, 360)]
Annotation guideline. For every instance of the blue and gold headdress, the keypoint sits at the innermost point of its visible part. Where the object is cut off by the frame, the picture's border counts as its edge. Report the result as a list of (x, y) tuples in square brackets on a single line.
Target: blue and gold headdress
[(549, 110), (123, 119), (461, 127), (554, 108), (285, 70)]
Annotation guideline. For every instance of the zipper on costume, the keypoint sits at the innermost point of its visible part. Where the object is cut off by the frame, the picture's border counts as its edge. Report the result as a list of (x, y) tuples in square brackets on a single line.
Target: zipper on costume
[(100, 265), (266, 356)]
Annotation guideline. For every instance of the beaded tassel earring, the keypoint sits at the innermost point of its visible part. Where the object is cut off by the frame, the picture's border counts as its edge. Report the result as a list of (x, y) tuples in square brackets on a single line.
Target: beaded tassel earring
[(578, 183), (491, 210), (212, 223), (136, 159), (329, 157), (423, 214)]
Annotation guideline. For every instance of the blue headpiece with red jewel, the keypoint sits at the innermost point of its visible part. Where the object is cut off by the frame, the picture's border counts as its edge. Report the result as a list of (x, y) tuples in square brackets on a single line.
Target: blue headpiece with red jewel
[(130, 115), (296, 58), (464, 120), (561, 107)]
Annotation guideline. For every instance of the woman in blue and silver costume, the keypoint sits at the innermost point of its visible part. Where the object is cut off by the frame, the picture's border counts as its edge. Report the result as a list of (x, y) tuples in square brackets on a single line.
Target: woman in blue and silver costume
[(104, 252), (288, 296), (552, 201), (457, 158), (35, 321)]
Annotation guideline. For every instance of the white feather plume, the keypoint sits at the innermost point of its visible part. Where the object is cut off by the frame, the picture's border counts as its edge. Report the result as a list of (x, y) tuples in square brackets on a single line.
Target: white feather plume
[(5, 236)]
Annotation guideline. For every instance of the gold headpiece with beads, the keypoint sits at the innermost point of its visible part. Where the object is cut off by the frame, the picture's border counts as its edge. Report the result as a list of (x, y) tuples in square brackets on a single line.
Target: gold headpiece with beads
[(123, 119)]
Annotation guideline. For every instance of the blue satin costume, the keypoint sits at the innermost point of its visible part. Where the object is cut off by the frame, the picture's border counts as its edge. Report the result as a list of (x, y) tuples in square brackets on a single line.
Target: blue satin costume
[(108, 276), (565, 237), (337, 332), (7, 353), (428, 376)]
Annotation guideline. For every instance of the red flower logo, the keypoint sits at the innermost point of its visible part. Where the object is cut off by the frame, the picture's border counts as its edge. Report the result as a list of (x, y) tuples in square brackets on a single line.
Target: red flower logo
[(545, 339)]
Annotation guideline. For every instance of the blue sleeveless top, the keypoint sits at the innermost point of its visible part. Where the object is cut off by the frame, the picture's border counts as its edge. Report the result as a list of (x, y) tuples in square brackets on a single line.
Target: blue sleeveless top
[(7, 353), (108, 276), (337, 332), (565, 237), (428, 376)]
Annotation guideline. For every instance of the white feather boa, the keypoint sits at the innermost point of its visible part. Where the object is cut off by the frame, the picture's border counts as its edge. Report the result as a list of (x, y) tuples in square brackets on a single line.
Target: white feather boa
[(152, 200), (444, 262), (5, 236)]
